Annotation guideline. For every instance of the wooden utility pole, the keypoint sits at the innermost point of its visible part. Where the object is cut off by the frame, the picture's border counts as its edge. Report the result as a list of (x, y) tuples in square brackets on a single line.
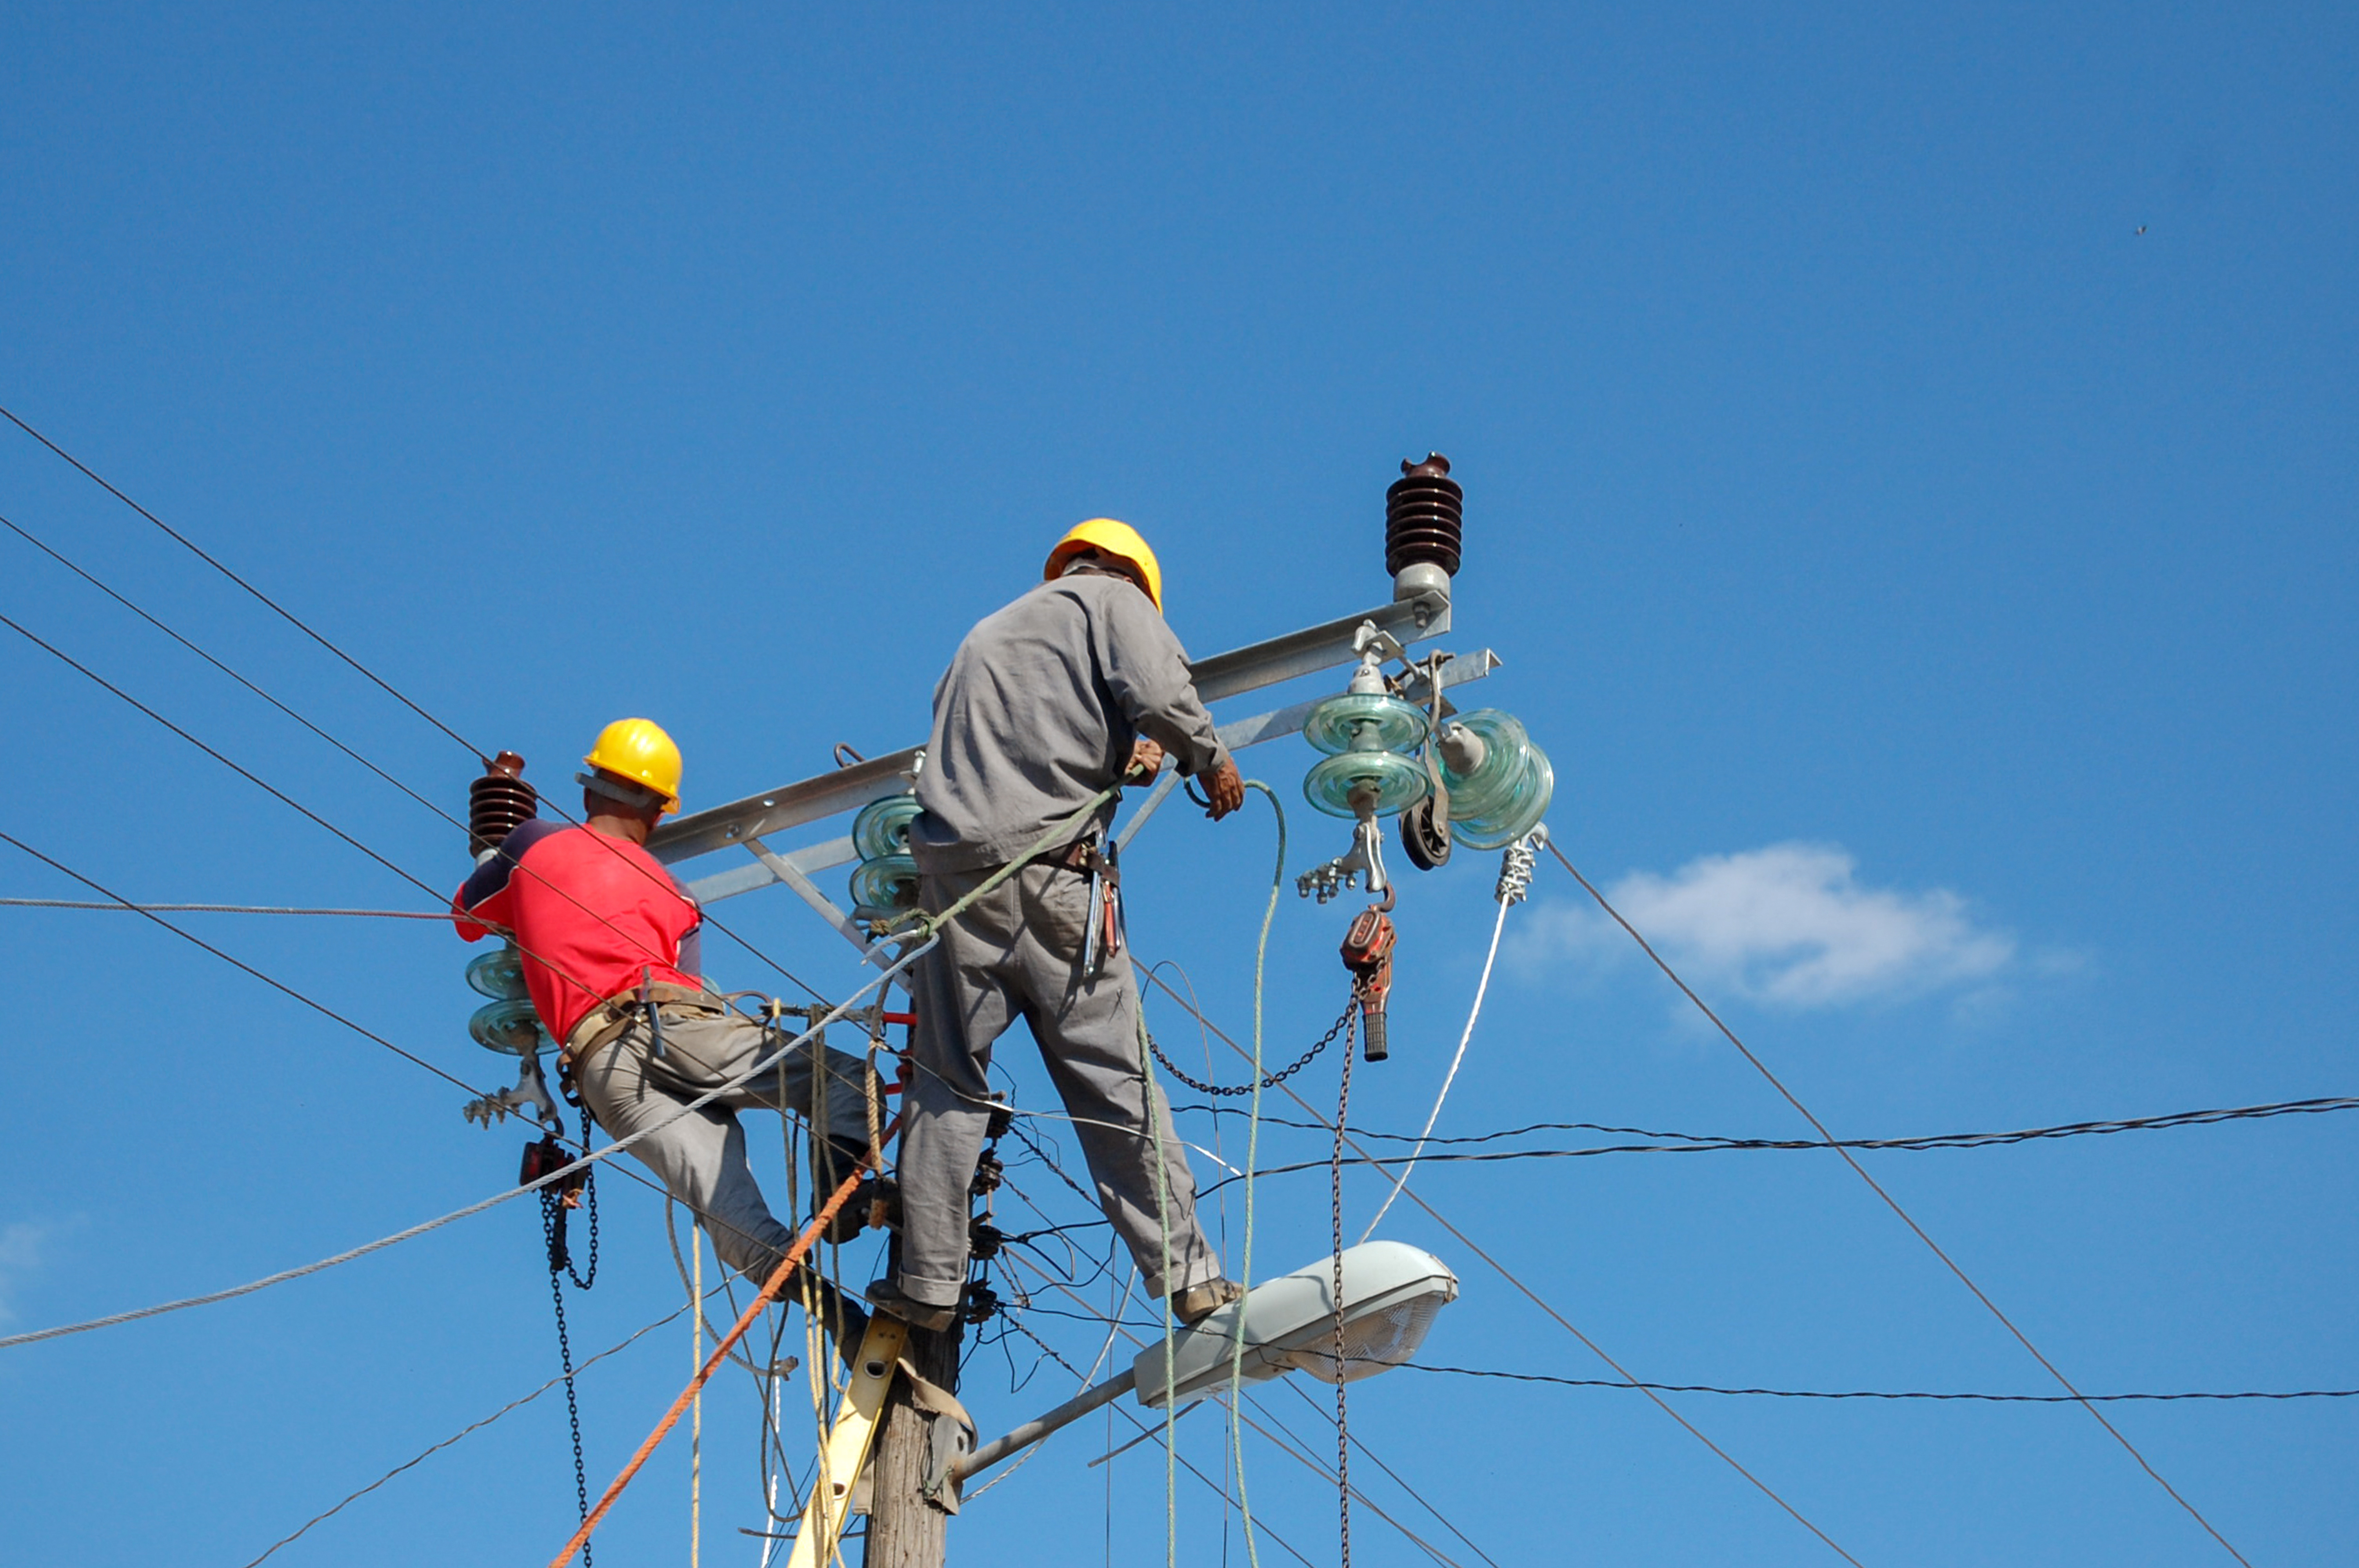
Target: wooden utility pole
[(905, 1530)]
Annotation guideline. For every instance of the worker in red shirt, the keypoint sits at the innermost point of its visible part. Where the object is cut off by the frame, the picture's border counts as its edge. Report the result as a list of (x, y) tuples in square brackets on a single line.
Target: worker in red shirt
[(610, 946)]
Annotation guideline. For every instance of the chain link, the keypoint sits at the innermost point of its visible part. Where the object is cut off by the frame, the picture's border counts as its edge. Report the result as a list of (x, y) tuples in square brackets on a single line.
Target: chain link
[(1335, 1213), (1269, 1081), (560, 1269)]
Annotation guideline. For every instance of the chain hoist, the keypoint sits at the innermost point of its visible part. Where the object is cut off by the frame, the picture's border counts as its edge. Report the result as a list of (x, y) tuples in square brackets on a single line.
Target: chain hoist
[(1368, 955)]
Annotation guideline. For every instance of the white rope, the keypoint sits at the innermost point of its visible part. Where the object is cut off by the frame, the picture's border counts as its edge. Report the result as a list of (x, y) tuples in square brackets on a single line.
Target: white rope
[(583, 1163), (1451, 1077), (696, 1420)]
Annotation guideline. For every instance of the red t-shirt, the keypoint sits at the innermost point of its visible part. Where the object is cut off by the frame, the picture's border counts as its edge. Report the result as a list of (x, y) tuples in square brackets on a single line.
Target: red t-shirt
[(594, 916)]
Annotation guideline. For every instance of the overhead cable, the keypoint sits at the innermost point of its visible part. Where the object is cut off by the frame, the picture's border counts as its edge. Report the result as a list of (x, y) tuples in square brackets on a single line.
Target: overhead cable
[(587, 1160), (1894, 1204), (39, 545), (465, 1431), (1540, 1301), (331, 827), (442, 914), (1147, 1430), (290, 712), (289, 616), (1880, 1393), (276, 985), (245, 773), (1713, 1143)]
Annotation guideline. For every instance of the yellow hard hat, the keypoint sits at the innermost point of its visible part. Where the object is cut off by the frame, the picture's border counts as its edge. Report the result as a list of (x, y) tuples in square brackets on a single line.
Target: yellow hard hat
[(640, 751), (1108, 537)]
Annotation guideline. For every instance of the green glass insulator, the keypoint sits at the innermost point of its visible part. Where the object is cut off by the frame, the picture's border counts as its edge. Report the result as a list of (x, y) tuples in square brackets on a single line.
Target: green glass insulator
[(1507, 792), (498, 974), (1368, 721), (1397, 782), (883, 887), (882, 827), (511, 1028)]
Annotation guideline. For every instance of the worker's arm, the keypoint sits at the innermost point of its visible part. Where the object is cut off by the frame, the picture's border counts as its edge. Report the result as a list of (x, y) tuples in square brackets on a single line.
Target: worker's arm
[(1147, 670), (482, 903)]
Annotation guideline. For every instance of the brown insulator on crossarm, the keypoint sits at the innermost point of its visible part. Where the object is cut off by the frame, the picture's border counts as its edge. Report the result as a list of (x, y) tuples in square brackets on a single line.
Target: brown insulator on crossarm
[(499, 803), (1424, 513)]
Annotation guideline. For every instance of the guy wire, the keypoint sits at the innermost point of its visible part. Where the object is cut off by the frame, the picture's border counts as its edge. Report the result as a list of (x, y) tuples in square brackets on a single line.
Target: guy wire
[(1894, 1204)]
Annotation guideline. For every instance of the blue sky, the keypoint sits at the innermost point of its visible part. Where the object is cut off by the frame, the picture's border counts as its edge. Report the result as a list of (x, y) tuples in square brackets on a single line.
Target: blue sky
[(1909, 460)]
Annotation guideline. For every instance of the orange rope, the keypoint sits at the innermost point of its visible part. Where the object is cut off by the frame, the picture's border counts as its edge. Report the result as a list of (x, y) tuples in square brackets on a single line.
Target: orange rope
[(770, 1293)]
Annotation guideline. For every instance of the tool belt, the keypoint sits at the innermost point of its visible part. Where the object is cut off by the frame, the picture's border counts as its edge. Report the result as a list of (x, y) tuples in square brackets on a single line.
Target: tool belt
[(603, 1023)]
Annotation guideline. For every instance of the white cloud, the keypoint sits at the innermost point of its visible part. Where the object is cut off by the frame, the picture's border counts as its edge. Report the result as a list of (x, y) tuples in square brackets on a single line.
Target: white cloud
[(1789, 925), (21, 1245)]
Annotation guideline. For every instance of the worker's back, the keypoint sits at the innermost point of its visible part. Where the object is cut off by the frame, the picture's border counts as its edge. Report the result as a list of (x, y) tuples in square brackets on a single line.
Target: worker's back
[(1039, 711), (593, 915)]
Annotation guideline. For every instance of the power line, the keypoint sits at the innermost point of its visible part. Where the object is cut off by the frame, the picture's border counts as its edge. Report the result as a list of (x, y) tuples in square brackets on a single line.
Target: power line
[(464, 1431), (1879, 1394), (1147, 1430), (442, 914), (289, 616), (251, 777), (306, 812), (1699, 1145), (1538, 1301), (21, 533), (1121, 1327), (588, 1158), (1712, 1142), (279, 986), (290, 712), (1893, 1204)]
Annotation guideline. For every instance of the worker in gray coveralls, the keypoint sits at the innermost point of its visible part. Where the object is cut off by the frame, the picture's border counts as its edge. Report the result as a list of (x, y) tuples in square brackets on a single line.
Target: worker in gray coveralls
[(1073, 686)]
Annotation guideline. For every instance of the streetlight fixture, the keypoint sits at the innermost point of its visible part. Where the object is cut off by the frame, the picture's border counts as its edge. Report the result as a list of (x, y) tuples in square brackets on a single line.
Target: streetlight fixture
[(1392, 1292)]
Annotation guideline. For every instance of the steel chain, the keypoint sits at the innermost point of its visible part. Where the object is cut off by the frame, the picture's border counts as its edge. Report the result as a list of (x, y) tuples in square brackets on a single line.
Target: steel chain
[(560, 1269), (1335, 1189), (552, 1224), (1269, 1081)]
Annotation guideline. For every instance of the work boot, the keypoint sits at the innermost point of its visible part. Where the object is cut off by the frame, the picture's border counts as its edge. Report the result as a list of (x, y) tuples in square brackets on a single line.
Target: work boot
[(1197, 1303), (885, 1296), (853, 1218), (831, 1162)]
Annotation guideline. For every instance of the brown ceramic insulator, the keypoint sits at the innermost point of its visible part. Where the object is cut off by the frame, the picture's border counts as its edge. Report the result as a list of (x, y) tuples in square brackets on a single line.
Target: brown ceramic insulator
[(1424, 512), (499, 803)]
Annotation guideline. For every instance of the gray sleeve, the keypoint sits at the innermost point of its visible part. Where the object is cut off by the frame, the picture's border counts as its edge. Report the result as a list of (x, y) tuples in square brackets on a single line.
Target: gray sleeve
[(1147, 671)]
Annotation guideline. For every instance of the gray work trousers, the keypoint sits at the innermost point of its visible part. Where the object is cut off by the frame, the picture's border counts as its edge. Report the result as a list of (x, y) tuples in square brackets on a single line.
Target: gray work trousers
[(701, 1157), (1017, 954)]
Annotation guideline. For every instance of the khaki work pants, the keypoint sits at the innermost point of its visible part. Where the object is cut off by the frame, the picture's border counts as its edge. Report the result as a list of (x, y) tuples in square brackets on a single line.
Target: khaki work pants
[(1016, 954), (701, 1157)]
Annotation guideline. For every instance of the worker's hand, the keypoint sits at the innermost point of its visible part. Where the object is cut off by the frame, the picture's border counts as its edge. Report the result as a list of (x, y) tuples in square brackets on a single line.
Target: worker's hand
[(1225, 789), (1146, 762)]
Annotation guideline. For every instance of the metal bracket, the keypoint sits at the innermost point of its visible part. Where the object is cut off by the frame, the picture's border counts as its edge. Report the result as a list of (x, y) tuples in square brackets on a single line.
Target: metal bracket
[(1222, 675), (946, 1449), (786, 871), (1336, 877), (531, 1093)]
